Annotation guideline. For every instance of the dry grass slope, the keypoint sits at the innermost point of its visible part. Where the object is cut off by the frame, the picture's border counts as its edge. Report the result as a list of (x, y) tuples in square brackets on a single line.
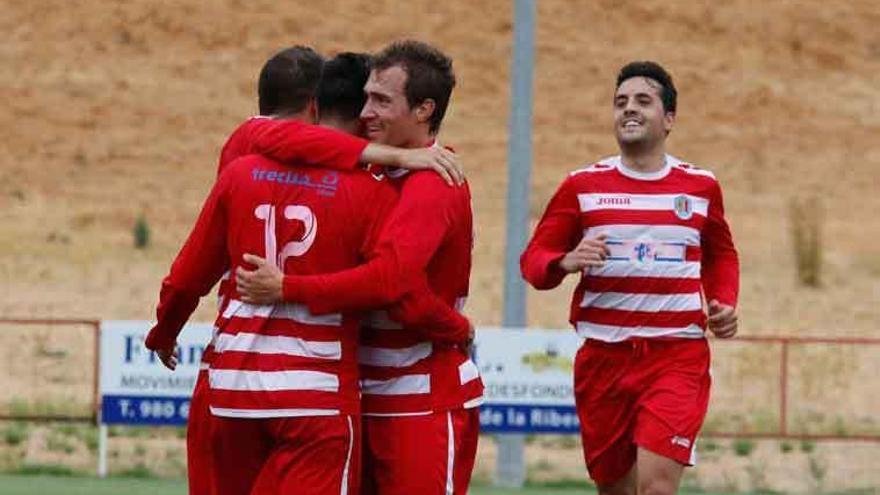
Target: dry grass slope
[(117, 110)]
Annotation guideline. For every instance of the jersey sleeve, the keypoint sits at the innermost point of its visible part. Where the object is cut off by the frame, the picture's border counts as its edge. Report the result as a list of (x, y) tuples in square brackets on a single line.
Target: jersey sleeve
[(557, 233), (237, 145), (720, 263), (293, 141), (433, 318), (421, 220), (199, 264)]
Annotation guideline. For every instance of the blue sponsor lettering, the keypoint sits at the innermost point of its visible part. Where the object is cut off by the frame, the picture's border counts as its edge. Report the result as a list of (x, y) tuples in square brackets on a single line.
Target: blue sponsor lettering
[(327, 186), (140, 410), (518, 418)]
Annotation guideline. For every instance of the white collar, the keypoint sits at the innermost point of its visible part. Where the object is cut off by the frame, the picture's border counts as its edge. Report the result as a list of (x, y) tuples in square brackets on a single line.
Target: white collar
[(670, 160)]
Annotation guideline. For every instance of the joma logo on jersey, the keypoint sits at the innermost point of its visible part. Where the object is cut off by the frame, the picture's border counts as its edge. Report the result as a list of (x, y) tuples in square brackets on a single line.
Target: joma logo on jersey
[(613, 201)]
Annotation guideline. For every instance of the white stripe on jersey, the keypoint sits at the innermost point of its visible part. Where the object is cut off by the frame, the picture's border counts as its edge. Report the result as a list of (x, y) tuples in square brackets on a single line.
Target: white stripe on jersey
[(269, 381), (668, 233), (273, 344), (625, 301), (609, 333), (397, 415), (270, 413), (396, 358), (450, 454), (344, 489), (638, 202), (284, 311), (468, 371), (402, 385), (687, 269)]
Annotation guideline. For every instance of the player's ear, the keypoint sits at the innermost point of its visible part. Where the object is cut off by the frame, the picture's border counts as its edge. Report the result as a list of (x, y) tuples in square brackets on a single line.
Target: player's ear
[(425, 110), (668, 121)]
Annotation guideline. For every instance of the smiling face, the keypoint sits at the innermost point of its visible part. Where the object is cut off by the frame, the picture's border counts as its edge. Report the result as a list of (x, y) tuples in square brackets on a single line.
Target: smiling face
[(387, 116), (639, 117)]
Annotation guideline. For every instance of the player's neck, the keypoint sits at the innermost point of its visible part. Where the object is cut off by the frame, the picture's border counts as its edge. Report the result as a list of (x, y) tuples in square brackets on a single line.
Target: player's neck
[(644, 161), (303, 116), (419, 140), (349, 126)]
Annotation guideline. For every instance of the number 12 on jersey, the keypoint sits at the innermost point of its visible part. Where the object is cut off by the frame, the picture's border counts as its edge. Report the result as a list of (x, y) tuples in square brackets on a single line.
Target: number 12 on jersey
[(267, 214)]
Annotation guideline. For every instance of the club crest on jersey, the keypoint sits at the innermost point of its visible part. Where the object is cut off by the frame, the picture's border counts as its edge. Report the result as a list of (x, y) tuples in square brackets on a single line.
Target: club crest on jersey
[(643, 253), (683, 206)]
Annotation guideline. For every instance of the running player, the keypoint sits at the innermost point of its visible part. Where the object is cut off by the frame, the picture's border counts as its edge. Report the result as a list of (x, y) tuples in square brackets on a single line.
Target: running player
[(647, 233)]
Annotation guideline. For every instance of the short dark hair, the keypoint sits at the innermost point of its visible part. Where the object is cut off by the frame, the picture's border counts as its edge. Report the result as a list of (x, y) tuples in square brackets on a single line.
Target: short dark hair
[(429, 74), (341, 92), (654, 71), (289, 80)]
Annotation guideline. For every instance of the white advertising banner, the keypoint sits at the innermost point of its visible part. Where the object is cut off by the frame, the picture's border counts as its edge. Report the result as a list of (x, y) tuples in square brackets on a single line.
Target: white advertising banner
[(528, 379), (134, 386)]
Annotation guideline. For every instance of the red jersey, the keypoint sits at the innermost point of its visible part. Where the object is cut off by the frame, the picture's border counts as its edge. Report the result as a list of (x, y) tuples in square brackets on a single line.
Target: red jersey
[(669, 244), (312, 145), (404, 371), (316, 145), (410, 368), (278, 360)]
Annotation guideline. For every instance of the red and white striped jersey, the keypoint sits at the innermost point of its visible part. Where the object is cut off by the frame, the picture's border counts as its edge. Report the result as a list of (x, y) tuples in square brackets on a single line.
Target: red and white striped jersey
[(403, 370), (404, 374), (316, 145), (669, 243), (419, 368), (279, 360)]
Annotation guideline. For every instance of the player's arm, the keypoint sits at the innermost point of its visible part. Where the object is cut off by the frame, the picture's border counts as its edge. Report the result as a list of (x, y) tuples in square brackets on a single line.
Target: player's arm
[(419, 308), (292, 141), (720, 268), (558, 233), (431, 316), (417, 226), (199, 264)]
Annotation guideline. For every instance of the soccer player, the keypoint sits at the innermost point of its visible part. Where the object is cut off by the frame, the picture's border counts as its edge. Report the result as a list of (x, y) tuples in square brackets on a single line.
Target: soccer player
[(647, 233), (280, 90), (419, 396), (283, 381)]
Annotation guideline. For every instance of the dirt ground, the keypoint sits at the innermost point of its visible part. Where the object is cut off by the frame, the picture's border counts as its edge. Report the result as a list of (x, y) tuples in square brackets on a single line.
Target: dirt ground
[(116, 110)]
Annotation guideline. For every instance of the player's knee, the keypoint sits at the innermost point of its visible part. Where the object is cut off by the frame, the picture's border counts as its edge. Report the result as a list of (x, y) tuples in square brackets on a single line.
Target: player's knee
[(657, 486), (617, 490), (623, 486)]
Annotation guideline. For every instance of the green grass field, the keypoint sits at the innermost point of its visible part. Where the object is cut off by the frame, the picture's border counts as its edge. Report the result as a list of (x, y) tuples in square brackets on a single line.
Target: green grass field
[(68, 485), (11, 484)]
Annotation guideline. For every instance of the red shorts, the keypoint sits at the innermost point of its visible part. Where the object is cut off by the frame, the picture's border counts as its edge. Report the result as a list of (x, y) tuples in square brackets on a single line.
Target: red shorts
[(198, 439), (313, 455), (431, 454), (644, 393)]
